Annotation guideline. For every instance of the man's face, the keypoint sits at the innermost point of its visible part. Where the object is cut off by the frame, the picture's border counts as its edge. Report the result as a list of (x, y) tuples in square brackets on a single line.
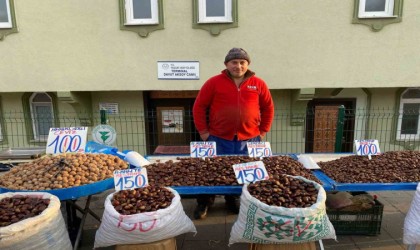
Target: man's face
[(237, 67)]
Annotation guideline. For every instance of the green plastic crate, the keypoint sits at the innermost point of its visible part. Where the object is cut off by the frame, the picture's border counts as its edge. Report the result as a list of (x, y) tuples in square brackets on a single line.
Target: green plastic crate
[(366, 222)]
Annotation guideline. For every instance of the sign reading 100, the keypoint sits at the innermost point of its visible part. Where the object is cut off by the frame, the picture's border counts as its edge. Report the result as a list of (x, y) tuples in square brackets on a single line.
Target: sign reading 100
[(367, 147), (63, 140)]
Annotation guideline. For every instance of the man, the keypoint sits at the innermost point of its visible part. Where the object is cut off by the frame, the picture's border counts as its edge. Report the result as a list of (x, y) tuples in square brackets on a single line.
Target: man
[(239, 108)]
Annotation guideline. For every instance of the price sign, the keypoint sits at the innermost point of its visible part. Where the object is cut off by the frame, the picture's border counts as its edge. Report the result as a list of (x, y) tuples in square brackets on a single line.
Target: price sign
[(250, 172), (63, 140), (259, 149), (130, 178), (203, 148), (367, 147)]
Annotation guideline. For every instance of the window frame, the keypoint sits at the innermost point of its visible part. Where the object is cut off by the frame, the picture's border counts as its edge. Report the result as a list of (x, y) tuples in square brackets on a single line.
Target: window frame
[(35, 124), (215, 29), (142, 30), (129, 14), (388, 12), (9, 24), (2, 126), (377, 23), (203, 18), (407, 137)]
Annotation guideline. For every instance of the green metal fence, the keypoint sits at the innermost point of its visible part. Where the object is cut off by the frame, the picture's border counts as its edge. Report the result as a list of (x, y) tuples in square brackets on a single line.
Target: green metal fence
[(291, 132)]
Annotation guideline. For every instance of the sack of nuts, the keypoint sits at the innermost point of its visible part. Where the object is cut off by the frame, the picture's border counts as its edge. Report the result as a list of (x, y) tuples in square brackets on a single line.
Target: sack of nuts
[(142, 215), (32, 220), (290, 209), (412, 221)]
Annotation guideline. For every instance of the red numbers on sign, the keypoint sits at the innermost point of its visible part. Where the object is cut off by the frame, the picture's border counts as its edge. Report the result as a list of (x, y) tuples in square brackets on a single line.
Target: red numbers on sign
[(129, 227)]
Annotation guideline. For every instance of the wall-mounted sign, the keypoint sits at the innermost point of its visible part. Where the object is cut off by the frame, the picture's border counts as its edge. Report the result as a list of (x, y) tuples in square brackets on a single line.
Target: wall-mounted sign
[(104, 134), (111, 108), (176, 70)]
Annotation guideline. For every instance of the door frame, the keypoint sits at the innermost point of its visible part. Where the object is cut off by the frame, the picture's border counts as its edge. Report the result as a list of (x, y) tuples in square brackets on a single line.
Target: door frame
[(154, 99), (348, 135)]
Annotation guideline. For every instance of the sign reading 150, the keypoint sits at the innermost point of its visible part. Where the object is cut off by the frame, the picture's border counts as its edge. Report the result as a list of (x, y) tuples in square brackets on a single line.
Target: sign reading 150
[(130, 178), (203, 149)]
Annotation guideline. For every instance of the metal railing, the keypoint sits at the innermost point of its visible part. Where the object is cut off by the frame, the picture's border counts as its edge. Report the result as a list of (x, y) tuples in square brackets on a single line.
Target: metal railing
[(291, 132)]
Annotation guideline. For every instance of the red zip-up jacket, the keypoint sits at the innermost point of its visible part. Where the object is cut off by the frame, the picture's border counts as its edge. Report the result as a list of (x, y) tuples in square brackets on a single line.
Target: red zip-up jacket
[(246, 111)]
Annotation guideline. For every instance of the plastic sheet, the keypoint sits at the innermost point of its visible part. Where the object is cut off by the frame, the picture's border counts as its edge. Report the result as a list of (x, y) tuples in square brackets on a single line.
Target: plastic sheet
[(73, 193), (397, 186), (219, 190)]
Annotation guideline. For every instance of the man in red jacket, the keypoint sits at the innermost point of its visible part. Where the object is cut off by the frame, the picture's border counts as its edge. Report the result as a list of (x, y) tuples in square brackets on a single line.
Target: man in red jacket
[(240, 109)]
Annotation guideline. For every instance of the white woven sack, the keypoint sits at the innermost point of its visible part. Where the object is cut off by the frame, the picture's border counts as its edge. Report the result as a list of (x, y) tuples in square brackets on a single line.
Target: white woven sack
[(260, 223), (117, 229), (412, 221), (44, 231)]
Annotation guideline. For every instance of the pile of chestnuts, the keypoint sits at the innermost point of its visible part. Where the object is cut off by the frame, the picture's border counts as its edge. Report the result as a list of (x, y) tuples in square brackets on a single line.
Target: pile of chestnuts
[(286, 192), (140, 200), (218, 171), (389, 167), (19, 207)]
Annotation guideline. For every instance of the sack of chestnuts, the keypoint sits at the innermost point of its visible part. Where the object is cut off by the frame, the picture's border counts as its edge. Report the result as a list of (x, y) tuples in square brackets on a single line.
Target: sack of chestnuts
[(32, 220), (142, 215), (288, 209)]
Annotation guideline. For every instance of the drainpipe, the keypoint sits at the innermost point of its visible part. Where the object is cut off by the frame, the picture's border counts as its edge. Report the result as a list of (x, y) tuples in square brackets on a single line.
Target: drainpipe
[(340, 129)]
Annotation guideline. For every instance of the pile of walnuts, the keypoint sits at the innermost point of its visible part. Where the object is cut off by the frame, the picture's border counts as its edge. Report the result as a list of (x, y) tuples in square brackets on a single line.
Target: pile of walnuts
[(62, 171)]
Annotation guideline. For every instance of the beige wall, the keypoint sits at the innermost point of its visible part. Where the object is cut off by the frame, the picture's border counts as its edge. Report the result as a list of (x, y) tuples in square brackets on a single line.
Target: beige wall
[(77, 45)]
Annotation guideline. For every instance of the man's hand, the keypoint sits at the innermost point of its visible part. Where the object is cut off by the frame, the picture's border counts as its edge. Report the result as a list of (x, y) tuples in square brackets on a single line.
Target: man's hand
[(204, 136)]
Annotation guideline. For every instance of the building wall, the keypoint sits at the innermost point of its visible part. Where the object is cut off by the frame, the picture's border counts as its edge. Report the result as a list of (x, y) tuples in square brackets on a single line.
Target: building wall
[(375, 119), (77, 45)]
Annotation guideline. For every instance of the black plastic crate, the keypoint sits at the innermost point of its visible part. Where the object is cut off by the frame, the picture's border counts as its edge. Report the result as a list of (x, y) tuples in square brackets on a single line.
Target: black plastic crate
[(365, 222)]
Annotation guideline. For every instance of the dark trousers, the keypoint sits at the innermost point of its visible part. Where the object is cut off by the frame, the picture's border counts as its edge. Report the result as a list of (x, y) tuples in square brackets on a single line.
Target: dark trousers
[(234, 147), (208, 199)]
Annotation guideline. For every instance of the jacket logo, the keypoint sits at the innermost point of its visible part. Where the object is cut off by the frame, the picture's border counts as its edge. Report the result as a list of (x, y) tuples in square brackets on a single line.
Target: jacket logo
[(252, 87)]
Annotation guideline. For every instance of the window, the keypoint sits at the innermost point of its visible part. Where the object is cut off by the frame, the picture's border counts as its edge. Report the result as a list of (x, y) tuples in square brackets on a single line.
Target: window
[(377, 13), (140, 12), (5, 15), (408, 122), (215, 11), (7, 18), (42, 115), (215, 15), (141, 16), (376, 8)]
